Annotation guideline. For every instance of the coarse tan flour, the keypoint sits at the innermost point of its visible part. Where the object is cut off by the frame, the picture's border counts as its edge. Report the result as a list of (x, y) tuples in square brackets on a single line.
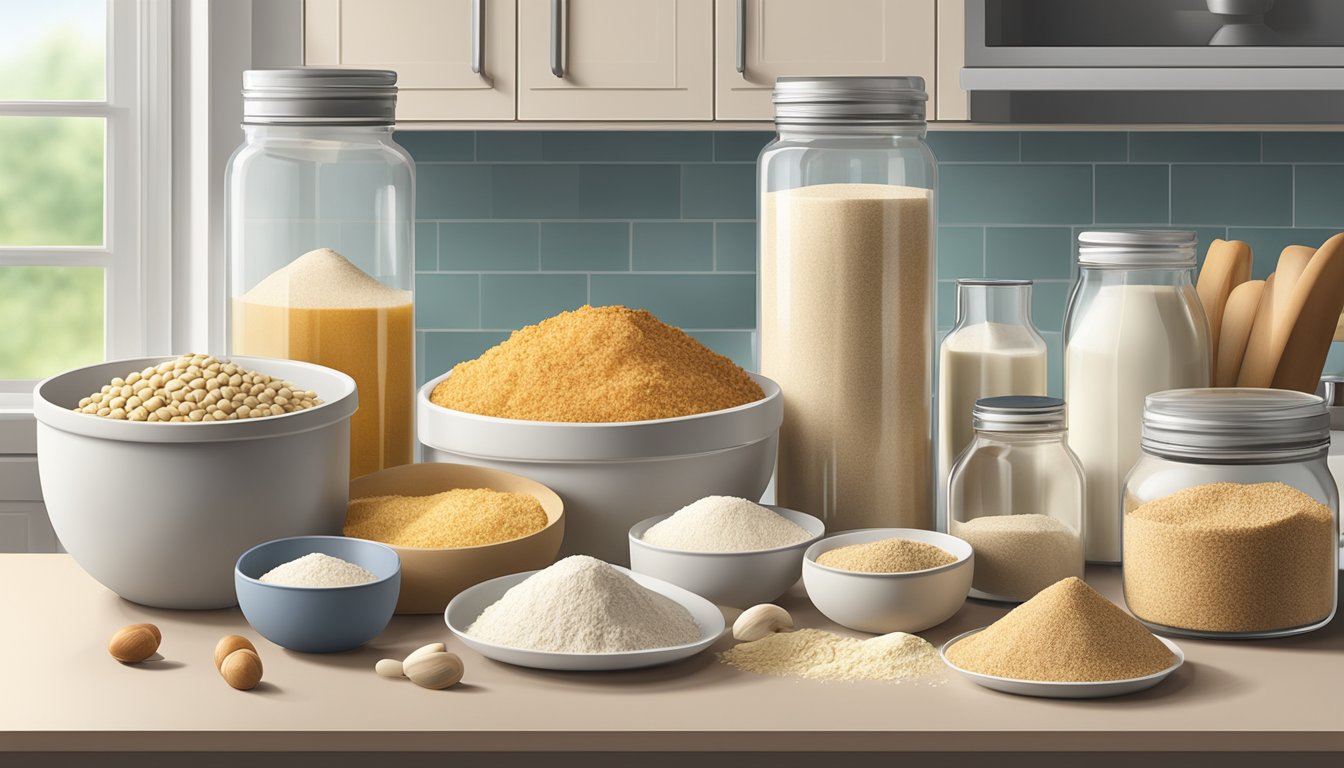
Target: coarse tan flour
[(818, 655), (583, 605), (317, 570), (725, 524)]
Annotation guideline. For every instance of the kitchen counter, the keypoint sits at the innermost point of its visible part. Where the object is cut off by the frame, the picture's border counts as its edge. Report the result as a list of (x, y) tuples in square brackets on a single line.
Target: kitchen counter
[(63, 693)]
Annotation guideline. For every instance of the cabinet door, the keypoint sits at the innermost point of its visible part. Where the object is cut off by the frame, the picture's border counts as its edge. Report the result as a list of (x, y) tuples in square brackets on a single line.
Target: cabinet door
[(430, 45), (616, 60), (24, 527), (802, 38)]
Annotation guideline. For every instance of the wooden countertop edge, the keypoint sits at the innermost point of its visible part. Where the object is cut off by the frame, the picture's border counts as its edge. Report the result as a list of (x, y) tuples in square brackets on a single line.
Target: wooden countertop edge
[(673, 741)]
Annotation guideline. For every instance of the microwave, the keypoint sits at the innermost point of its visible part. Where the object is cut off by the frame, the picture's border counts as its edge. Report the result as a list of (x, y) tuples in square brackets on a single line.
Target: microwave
[(1155, 61)]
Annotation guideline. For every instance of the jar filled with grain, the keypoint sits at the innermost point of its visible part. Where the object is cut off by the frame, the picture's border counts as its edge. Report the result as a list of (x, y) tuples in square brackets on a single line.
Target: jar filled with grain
[(1231, 515), (847, 193), (1016, 496), (320, 211)]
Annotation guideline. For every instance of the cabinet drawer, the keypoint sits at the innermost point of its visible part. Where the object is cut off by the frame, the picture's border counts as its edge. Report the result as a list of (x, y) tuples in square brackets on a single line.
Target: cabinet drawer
[(18, 479)]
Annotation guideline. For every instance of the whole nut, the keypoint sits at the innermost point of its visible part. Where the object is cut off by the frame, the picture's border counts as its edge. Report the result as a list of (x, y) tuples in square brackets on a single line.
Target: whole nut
[(228, 644), (761, 621), (389, 668), (241, 669), (134, 643), (435, 670), (422, 650)]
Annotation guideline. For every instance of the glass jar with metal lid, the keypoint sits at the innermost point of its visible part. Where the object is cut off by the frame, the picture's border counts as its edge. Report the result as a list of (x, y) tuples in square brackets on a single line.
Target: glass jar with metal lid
[(320, 212), (847, 198), (1134, 326), (1231, 515), (1016, 495)]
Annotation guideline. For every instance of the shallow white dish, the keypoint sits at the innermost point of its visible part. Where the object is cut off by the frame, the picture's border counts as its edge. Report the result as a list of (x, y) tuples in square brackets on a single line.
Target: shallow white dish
[(467, 606), (1075, 690), (739, 579)]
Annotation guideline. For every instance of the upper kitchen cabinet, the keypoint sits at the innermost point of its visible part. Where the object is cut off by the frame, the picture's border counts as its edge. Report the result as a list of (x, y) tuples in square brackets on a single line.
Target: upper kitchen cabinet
[(615, 60), (760, 40), (455, 59)]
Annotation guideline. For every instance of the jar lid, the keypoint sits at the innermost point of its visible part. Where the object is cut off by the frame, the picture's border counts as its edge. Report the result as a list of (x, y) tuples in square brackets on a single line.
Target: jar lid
[(1018, 413), (855, 101), (1235, 424), (1138, 248), (319, 96), (1331, 389)]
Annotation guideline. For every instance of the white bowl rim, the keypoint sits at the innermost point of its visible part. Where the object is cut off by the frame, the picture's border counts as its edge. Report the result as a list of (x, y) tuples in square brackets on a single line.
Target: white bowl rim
[(1171, 646), (810, 556), (333, 410), (707, 637), (299, 588), (772, 392), (649, 522)]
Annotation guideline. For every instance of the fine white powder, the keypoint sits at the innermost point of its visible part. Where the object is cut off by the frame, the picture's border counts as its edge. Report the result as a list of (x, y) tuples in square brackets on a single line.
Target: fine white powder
[(583, 605), (725, 524), (324, 279), (318, 570)]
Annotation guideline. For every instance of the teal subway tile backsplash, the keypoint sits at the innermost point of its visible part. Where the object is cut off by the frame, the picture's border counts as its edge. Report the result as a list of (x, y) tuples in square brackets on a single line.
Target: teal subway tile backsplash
[(518, 225)]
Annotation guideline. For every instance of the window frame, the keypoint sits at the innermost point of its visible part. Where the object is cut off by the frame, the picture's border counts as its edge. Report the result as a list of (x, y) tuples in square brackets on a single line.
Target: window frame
[(137, 186)]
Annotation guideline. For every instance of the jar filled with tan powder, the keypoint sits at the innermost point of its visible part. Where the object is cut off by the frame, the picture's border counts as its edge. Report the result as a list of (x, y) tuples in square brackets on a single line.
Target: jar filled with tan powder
[(1231, 515), (847, 194)]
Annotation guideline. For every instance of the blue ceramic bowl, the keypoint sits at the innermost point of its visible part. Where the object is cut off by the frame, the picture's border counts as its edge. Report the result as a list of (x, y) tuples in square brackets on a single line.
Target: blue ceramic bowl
[(318, 619)]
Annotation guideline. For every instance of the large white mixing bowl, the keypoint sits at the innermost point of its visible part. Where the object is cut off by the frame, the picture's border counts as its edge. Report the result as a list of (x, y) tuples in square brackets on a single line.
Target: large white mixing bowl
[(160, 512), (612, 475)]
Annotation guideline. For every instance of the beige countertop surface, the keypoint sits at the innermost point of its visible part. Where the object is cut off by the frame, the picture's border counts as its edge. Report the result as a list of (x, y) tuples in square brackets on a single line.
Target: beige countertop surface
[(63, 692)]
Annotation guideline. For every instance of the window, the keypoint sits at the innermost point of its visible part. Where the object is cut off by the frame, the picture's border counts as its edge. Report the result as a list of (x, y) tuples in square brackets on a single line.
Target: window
[(79, 173)]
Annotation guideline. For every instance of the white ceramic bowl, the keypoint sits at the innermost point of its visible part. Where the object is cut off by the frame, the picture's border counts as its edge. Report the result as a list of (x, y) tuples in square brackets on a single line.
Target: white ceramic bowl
[(159, 513), (612, 475), (468, 605), (1068, 690), (889, 602), (738, 579)]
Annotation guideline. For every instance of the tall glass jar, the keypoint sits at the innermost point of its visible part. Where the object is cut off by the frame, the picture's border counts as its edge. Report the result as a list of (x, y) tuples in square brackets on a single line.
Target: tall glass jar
[(1134, 326), (847, 198), (994, 349), (320, 215), (1016, 495), (1231, 515)]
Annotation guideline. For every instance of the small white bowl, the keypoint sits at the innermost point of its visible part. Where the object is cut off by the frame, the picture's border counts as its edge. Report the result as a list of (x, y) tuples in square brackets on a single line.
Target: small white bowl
[(738, 579), (464, 609), (889, 602), (1065, 690)]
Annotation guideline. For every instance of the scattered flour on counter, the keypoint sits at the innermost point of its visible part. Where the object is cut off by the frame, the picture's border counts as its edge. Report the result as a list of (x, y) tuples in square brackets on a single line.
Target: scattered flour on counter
[(583, 605), (317, 570), (725, 524), (818, 655)]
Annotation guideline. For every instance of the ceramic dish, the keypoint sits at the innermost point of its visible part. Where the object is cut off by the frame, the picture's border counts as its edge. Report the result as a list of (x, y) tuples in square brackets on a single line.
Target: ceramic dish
[(739, 579), (613, 475), (466, 607), (431, 576), (1074, 690)]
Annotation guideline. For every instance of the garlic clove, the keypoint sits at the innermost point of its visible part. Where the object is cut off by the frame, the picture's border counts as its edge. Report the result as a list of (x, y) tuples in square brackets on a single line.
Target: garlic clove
[(424, 649), (435, 670), (389, 668), (761, 621)]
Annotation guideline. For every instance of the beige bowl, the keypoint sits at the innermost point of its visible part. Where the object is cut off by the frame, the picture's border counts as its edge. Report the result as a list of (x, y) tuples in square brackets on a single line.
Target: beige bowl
[(431, 576)]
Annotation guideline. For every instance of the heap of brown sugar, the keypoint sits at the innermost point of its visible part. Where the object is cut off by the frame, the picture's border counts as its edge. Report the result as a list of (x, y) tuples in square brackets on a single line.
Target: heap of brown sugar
[(1066, 633), (597, 364)]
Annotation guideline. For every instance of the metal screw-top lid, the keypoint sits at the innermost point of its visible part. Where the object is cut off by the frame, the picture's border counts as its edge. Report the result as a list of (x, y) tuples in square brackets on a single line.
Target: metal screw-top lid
[(1235, 425), (1137, 248), (1331, 389), (1018, 413), (849, 101), (319, 96)]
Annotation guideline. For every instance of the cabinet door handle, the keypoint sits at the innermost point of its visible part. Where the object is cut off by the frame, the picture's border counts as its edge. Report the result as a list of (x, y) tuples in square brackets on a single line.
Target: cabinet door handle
[(557, 38), (478, 37), (741, 37)]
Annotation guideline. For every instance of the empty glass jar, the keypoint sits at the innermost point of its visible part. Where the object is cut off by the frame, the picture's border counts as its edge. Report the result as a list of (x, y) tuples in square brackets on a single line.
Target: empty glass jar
[(847, 193), (320, 213), (1231, 515), (1016, 495)]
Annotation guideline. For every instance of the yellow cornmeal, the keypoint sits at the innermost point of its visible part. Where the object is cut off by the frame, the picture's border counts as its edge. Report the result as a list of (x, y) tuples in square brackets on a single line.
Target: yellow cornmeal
[(463, 517), (597, 364), (886, 556)]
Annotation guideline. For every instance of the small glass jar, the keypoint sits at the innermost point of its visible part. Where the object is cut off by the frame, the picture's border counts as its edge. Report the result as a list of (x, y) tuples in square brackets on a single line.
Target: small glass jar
[(1016, 495), (320, 212), (847, 222), (994, 349), (1231, 524), (1134, 326)]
